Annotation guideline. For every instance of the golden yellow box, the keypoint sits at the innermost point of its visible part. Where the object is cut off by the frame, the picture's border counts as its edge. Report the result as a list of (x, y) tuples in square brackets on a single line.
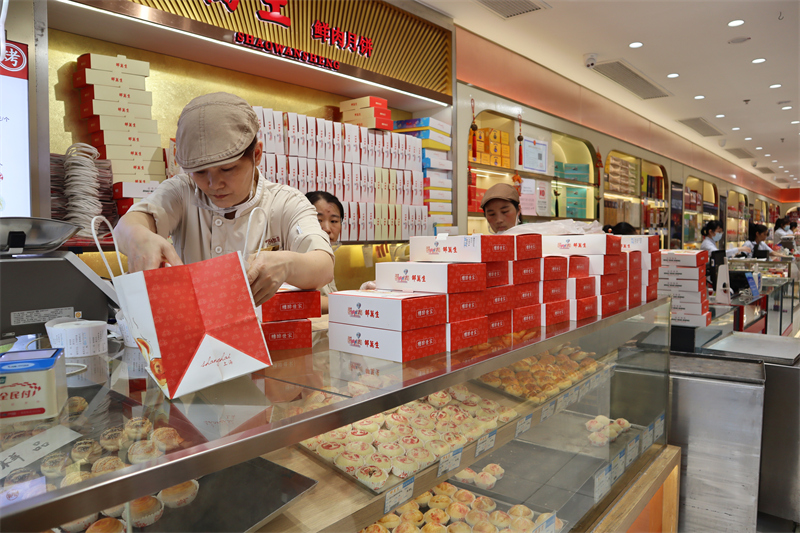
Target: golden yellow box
[(506, 162), (505, 150), (504, 137), (493, 148), (495, 160), (490, 134), (486, 159)]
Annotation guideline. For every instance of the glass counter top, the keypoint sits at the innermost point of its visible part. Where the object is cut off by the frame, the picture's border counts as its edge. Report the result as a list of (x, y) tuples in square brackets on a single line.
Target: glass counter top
[(304, 393)]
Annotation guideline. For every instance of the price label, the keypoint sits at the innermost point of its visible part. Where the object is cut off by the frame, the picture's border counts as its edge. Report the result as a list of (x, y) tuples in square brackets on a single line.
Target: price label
[(450, 462), (548, 410), (632, 451), (549, 525), (572, 397), (602, 483), (399, 495), (618, 465), (34, 448), (594, 381), (606, 375), (523, 425), (659, 427), (485, 443), (562, 403), (647, 440), (583, 391)]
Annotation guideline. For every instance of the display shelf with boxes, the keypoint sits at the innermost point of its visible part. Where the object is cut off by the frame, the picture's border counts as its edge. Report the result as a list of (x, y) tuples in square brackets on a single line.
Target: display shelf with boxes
[(736, 220), (655, 211), (700, 204), (595, 368), (622, 199)]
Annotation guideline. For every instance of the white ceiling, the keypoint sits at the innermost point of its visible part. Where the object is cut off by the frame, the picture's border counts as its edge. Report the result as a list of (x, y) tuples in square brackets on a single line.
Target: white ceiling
[(689, 38)]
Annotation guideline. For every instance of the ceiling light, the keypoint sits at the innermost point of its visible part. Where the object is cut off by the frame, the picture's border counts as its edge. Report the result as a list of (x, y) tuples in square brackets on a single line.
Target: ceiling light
[(735, 23), (673, 75), (786, 107), (759, 148), (795, 122), (774, 160), (635, 44), (759, 60), (767, 155), (736, 129), (776, 86), (781, 167), (748, 138), (699, 97), (718, 116)]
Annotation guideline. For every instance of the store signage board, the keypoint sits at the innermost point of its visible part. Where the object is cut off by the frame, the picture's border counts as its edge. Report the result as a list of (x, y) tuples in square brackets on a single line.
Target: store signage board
[(399, 495), (15, 171), (543, 195), (534, 155), (485, 443), (449, 462)]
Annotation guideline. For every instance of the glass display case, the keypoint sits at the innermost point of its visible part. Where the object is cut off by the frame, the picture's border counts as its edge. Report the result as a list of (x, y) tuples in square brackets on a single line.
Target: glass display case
[(785, 268), (532, 411), (689, 339), (780, 304)]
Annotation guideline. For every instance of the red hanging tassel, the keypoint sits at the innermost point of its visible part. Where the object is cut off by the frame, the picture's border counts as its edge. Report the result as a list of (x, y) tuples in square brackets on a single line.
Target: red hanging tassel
[(520, 138), (474, 128)]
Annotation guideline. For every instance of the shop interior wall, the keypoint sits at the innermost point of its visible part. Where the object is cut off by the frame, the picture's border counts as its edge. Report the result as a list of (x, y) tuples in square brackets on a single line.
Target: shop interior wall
[(174, 82), (605, 143)]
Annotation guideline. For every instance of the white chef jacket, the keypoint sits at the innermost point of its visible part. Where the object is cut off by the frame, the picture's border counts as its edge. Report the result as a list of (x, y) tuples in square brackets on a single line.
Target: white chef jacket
[(709, 244), (761, 246), (199, 234)]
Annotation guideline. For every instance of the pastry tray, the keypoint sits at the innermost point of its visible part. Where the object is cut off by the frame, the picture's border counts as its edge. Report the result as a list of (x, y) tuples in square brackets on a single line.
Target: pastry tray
[(243, 497)]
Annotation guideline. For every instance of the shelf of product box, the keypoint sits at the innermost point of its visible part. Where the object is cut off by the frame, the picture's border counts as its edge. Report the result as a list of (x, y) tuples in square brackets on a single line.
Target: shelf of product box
[(534, 217), (621, 196), (501, 171)]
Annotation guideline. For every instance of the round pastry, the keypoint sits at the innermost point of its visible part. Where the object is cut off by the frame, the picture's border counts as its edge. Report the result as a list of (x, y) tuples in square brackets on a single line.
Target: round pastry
[(374, 528), (75, 477), (447, 426), (372, 476), (451, 409), (138, 428), (384, 435), (76, 404), (506, 414), (441, 416), (455, 440), (143, 451), (361, 448), (616, 427), (520, 511), (422, 423), (491, 380), (104, 465), (424, 410), (415, 517), (391, 449), (448, 489), (409, 411), (487, 413), (433, 527), (424, 498), (111, 439), (348, 462), (377, 418), (483, 503), (379, 460), (368, 426), (603, 420), (469, 407), (404, 431), (166, 438), (410, 442), (114, 512), (336, 436), (523, 525), (312, 443), (485, 480), (500, 519), (427, 435), (86, 450), (466, 476), (389, 521), (107, 525), (404, 467), (464, 496), (486, 403), (472, 431), (593, 425), (20, 475), (514, 389), (542, 518), (458, 392), (55, 465), (440, 501), (370, 380), (494, 469), (439, 399), (459, 527), (80, 524), (438, 447), (437, 516), (329, 450), (460, 417), (75, 421), (347, 428), (11, 439), (357, 389), (549, 390), (179, 495), (475, 516), (408, 506), (624, 425), (396, 419), (146, 511), (406, 527), (598, 439), (422, 456), (41, 428)]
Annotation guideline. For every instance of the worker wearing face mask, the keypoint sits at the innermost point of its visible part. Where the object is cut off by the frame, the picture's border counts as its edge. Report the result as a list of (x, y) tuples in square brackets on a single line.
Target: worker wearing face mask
[(206, 210), (712, 231), (782, 228)]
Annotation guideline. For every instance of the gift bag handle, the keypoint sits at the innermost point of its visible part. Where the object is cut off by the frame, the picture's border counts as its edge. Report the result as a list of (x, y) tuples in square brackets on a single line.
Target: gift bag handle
[(247, 232), (100, 249)]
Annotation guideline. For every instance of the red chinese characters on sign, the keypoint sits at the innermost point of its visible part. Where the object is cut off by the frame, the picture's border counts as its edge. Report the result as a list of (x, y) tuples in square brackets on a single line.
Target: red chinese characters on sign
[(271, 14), (14, 62), (344, 40)]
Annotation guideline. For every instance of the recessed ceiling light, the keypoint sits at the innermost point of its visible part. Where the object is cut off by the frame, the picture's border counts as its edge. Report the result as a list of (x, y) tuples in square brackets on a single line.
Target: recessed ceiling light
[(776, 86), (786, 107), (736, 129), (786, 171), (767, 155), (748, 138), (699, 97), (759, 148), (735, 23), (718, 116), (795, 122), (635, 44), (759, 60), (780, 166), (673, 75), (774, 160)]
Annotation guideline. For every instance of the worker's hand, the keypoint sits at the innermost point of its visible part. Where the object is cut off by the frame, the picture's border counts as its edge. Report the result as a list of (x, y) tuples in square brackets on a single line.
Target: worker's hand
[(745, 249), (148, 250), (369, 286), (267, 273)]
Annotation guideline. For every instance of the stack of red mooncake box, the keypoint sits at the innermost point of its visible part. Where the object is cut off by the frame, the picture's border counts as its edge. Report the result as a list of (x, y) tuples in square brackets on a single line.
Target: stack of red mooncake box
[(285, 318)]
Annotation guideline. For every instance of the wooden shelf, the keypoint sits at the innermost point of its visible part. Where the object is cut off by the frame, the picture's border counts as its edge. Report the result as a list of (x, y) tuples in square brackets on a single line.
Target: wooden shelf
[(622, 195), (532, 175), (473, 214)]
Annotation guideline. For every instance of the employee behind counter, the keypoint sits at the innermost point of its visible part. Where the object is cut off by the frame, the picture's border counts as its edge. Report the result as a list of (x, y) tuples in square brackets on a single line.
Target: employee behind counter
[(206, 210)]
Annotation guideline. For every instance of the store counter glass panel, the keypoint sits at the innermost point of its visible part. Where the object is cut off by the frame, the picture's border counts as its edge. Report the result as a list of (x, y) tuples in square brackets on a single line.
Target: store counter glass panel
[(780, 305), (548, 425)]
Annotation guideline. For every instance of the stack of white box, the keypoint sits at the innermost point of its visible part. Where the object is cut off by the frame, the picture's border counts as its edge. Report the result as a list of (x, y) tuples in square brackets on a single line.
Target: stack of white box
[(119, 113), (377, 175), (643, 259), (682, 275), (437, 168)]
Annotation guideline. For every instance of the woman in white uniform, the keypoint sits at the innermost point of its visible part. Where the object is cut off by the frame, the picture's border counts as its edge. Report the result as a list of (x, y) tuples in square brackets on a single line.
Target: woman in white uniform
[(712, 231), (329, 213), (781, 228), (206, 210), (759, 234)]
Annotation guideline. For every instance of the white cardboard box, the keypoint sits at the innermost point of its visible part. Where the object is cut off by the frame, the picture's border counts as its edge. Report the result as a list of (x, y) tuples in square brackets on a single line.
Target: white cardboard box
[(387, 344), (392, 310), (439, 278), (461, 248), (595, 244)]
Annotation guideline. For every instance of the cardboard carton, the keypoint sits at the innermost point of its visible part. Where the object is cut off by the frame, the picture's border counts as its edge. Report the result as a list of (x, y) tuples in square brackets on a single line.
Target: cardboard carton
[(467, 333), (393, 310), (290, 303), (528, 246), (440, 278), (500, 323), (502, 298), (527, 317), (399, 346), (288, 334), (555, 312), (583, 308), (594, 244), (580, 288), (465, 249)]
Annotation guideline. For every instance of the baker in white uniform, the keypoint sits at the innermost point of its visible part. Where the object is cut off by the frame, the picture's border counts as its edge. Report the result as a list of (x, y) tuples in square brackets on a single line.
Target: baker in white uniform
[(712, 232), (206, 210)]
